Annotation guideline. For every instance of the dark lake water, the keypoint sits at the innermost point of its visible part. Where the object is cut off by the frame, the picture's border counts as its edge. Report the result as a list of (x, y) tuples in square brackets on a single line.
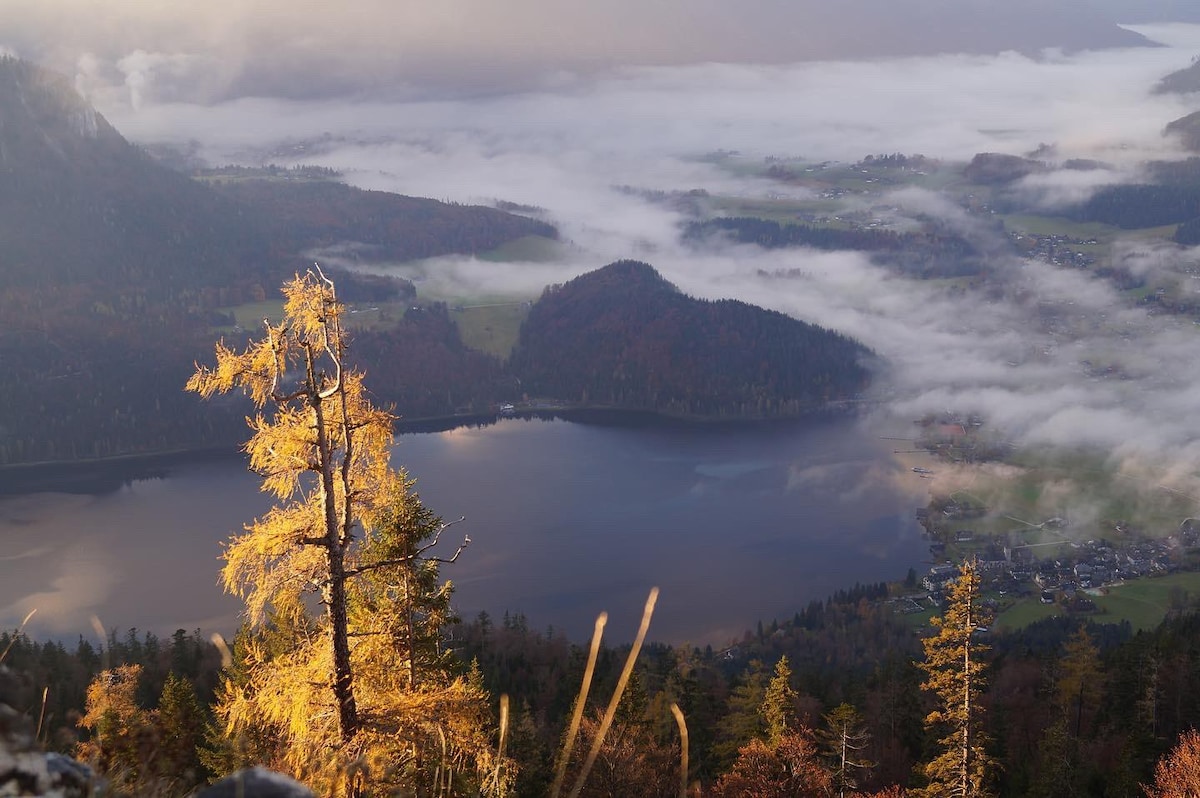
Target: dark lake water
[(733, 524)]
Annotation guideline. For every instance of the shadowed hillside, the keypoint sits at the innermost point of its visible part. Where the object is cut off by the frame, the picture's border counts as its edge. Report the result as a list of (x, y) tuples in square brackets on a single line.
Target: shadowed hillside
[(624, 336)]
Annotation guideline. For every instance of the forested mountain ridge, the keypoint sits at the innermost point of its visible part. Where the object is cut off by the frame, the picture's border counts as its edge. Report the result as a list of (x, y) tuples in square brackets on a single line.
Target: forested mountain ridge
[(1181, 81), (931, 253), (116, 273), (113, 268), (372, 225), (624, 336)]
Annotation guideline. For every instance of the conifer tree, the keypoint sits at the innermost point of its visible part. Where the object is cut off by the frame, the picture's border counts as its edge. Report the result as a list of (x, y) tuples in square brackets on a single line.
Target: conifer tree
[(743, 718), (362, 700), (1079, 685), (779, 703), (954, 667), (843, 740), (181, 722)]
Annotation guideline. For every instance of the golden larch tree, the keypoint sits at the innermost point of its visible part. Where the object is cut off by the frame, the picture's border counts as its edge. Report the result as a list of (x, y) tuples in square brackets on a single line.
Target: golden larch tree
[(955, 675), (343, 693)]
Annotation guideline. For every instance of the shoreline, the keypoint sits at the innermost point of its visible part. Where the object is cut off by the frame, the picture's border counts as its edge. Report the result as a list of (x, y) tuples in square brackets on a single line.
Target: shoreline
[(110, 473)]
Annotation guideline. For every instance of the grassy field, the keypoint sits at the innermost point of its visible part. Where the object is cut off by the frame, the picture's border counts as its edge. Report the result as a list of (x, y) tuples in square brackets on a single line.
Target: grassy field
[(251, 315), (527, 249), (1144, 602), (1025, 612), (491, 328), (784, 211), (376, 316)]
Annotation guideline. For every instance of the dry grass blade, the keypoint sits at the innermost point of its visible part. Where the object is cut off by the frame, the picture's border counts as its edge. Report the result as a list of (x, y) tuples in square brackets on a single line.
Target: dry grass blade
[(683, 749), (223, 647), (581, 699), (37, 735), (611, 712), (503, 739), (17, 636), (105, 663)]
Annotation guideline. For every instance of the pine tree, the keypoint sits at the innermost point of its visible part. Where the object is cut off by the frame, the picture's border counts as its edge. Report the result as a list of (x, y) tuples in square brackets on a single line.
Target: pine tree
[(779, 703), (1079, 688), (181, 722), (963, 768), (843, 740), (360, 700), (742, 720)]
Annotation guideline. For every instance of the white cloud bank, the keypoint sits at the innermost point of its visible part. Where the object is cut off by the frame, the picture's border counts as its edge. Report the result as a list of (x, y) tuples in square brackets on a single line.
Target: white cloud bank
[(1015, 353)]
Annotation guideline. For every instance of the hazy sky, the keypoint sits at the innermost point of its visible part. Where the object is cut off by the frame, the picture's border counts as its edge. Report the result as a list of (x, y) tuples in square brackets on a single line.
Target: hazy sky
[(223, 49)]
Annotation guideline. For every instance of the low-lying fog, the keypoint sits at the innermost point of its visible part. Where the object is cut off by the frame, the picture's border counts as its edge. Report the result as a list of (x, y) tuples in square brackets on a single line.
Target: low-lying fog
[(1012, 354)]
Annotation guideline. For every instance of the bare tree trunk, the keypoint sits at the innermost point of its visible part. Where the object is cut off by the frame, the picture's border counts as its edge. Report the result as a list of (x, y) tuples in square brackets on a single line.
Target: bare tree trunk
[(335, 590)]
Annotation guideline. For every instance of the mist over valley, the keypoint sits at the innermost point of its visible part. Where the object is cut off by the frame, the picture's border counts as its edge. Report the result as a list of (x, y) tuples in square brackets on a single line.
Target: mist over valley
[(849, 194)]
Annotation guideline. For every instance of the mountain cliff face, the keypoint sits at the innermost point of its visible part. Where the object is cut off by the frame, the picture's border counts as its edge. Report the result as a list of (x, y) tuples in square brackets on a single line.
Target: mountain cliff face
[(624, 336), (79, 203)]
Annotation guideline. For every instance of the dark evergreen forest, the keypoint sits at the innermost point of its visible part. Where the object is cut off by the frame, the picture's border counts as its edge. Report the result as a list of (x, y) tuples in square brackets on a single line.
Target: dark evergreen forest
[(1073, 708), (624, 336)]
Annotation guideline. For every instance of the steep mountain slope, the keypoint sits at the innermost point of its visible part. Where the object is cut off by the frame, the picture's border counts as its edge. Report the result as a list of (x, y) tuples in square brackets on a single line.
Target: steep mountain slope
[(624, 336), (79, 203)]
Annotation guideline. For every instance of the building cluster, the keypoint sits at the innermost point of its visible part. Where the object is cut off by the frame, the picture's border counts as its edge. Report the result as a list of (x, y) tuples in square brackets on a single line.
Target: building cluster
[(1068, 574), (1057, 249)]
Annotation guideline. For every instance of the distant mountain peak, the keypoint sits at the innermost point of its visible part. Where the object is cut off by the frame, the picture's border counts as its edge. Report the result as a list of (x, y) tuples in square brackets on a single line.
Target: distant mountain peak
[(44, 115), (628, 275)]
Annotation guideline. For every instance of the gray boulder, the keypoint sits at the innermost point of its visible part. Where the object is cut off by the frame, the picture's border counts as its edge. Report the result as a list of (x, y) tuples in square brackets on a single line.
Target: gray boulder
[(256, 782)]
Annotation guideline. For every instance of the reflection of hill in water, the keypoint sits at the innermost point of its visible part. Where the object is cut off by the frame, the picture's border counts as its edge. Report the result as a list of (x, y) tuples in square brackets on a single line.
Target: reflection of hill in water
[(101, 477)]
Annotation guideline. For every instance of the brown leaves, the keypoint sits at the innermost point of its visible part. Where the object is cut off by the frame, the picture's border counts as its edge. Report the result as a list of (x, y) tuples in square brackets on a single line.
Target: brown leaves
[(1177, 774)]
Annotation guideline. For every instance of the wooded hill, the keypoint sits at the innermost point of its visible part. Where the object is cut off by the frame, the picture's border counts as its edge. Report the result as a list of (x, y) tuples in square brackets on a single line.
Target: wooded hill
[(930, 253), (1181, 81), (624, 336), (299, 215)]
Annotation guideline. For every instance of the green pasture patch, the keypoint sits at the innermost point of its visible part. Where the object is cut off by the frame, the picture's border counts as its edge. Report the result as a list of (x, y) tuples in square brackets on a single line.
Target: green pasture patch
[(250, 315), (1144, 602), (492, 327), (1024, 612)]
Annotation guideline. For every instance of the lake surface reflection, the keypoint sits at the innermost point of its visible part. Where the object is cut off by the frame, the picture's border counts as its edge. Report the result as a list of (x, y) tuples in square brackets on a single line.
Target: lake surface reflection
[(733, 523)]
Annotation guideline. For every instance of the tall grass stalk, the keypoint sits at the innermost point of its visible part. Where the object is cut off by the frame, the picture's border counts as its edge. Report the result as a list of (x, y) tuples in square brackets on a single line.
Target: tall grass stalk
[(683, 749), (611, 712), (577, 716), (17, 634), (503, 740)]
